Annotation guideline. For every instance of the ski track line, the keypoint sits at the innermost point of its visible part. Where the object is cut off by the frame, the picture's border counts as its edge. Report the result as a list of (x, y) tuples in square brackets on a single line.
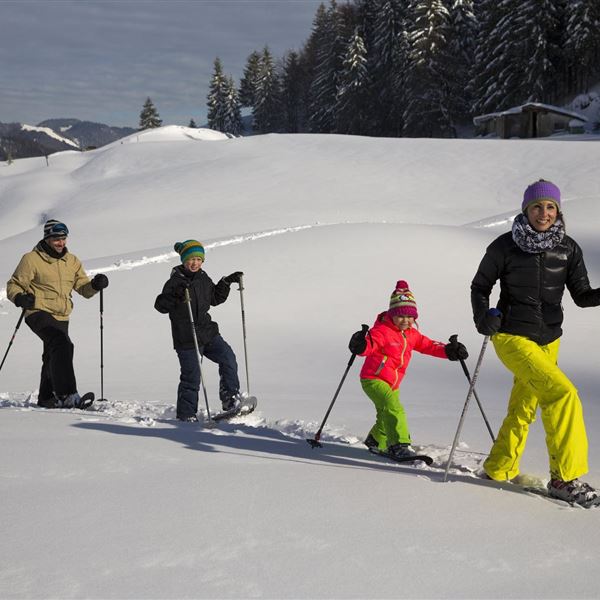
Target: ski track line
[(128, 265)]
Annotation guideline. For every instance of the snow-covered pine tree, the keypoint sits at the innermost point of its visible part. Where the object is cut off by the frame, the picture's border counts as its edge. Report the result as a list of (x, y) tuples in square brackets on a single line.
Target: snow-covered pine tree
[(427, 111), (387, 52), (519, 60), (149, 117), (328, 46), (582, 44), (266, 114), (462, 38), (249, 79), (352, 100), (537, 36), (491, 57), (232, 116), (217, 97), (292, 89), (192, 124)]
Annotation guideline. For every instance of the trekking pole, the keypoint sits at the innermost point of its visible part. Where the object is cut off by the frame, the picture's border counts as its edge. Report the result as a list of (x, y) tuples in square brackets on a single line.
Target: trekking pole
[(241, 289), (102, 398), (314, 442), (463, 364), (188, 301), (13, 337), (464, 411)]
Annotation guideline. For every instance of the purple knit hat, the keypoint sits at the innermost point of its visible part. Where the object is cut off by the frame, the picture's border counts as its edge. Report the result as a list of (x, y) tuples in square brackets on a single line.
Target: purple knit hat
[(541, 190), (402, 302)]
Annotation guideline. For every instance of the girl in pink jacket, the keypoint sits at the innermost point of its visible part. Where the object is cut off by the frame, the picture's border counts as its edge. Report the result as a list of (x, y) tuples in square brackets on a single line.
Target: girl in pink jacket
[(388, 347)]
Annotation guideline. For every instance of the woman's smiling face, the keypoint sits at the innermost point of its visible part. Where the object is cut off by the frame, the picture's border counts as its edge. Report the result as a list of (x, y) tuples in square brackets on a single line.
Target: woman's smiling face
[(542, 214)]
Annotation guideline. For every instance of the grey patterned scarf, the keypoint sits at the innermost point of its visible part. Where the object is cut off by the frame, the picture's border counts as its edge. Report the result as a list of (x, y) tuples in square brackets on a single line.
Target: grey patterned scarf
[(532, 241)]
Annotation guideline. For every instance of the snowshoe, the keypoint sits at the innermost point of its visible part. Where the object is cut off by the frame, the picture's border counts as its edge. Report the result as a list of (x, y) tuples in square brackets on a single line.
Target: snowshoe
[(74, 401)]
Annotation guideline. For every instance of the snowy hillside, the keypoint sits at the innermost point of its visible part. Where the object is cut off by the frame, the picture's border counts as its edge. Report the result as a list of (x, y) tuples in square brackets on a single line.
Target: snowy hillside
[(126, 502)]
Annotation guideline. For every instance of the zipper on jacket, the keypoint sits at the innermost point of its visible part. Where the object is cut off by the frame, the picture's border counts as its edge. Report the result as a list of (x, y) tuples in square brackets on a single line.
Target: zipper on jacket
[(403, 349), (397, 375), (542, 261)]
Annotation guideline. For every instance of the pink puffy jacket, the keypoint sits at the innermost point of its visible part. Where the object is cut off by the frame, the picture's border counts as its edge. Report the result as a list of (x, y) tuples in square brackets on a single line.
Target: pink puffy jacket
[(389, 350)]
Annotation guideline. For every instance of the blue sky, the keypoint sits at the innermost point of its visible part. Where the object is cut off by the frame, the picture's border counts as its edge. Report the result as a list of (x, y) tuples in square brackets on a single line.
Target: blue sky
[(99, 60)]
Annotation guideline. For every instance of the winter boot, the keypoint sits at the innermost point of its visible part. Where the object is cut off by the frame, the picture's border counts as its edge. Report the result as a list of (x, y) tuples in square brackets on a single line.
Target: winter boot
[(575, 492), (371, 443), (190, 419), (402, 451), (231, 403)]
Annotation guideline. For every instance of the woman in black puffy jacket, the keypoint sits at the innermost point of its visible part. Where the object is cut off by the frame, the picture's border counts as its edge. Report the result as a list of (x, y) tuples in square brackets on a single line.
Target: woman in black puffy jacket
[(534, 263)]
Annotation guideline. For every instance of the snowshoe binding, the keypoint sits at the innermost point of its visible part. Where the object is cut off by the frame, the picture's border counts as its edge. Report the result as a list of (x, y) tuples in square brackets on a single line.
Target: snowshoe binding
[(574, 492), (74, 401), (240, 406), (402, 453)]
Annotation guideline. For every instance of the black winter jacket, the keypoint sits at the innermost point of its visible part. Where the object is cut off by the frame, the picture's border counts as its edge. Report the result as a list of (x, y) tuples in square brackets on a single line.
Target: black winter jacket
[(531, 287), (203, 294)]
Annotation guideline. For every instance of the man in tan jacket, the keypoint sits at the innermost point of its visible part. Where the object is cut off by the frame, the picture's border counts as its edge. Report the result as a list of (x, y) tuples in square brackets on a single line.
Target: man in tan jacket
[(42, 285)]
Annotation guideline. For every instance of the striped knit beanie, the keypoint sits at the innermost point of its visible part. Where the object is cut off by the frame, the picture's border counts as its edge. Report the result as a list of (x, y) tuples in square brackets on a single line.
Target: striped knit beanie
[(402, 302), (55, 229), (541, 190), (189, 249)]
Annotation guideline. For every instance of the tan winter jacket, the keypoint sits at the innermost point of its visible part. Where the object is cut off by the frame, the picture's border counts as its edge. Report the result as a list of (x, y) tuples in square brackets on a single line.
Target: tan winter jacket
[(51, 280)]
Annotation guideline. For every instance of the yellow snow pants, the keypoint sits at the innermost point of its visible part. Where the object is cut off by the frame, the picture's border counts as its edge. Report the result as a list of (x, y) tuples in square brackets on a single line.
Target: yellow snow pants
[(538, 381)]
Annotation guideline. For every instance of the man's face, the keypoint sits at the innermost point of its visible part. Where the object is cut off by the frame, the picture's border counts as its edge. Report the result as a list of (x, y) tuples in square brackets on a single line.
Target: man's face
[(57, 243)]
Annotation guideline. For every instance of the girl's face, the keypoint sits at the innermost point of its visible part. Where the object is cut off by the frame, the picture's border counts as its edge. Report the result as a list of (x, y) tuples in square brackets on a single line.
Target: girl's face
[(193, 264), (542, 215), (403, 322)]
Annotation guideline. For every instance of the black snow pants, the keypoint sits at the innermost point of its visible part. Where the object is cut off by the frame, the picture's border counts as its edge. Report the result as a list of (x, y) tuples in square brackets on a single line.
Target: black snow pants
[(58, 376)]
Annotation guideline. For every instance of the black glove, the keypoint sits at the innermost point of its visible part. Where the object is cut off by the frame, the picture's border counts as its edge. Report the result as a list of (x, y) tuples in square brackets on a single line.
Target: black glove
[(455, 350), (25, 301), (99, 282), (490, 323), (358, 343), (233, 278), (166, 303), (178, 292)]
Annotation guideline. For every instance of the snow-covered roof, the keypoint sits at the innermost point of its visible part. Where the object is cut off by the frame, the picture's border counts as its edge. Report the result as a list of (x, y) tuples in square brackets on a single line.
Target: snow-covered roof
[(529, 106)]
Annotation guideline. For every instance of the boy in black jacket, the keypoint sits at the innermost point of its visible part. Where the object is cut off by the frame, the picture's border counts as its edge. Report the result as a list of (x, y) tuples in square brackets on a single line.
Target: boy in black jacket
[(203, 294)]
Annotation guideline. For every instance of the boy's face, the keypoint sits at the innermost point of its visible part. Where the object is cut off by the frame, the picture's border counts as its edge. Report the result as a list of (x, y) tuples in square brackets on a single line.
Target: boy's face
[(403, 322), (193, 264)]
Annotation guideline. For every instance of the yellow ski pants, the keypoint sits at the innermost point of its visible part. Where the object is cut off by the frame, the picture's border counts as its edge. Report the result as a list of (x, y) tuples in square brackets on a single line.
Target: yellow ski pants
[(538, 381)]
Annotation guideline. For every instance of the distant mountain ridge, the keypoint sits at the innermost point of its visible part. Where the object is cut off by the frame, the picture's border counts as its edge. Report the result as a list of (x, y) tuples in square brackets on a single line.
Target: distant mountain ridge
[(19, 140)]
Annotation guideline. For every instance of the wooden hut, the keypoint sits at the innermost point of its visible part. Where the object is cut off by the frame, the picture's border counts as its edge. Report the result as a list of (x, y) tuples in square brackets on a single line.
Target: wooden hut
[(530, 120)]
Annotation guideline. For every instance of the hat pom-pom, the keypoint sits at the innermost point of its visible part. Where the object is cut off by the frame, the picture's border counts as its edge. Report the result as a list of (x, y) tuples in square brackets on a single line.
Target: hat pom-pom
[(177, 247), (402, 285)]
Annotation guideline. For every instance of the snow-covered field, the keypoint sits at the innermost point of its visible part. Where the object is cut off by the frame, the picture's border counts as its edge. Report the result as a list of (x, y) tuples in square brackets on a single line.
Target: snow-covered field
[(126, 502)]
